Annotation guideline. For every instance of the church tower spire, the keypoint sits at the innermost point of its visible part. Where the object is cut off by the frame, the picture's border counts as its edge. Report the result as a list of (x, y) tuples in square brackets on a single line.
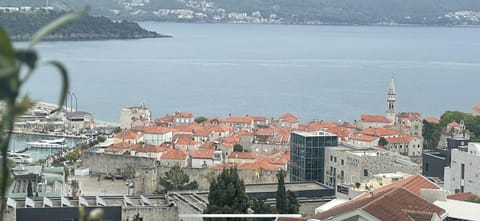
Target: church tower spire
[(391, 99)]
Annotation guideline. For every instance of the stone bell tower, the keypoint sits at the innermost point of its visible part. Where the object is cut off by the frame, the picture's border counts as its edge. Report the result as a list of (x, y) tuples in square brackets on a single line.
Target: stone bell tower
[(391, 99)]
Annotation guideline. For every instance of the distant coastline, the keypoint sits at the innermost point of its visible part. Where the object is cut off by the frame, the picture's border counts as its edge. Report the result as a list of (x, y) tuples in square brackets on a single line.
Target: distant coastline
[(22, 25), (89, 37)]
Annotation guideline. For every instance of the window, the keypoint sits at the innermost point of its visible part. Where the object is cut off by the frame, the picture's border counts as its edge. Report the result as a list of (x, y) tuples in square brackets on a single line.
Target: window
[(331, 158), (462, 171), (365, 172), (335, 159), (342, 162)]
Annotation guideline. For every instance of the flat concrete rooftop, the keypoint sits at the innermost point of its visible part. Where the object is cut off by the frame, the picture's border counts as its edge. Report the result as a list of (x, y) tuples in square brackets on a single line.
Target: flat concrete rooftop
[(295, 187), (314, 133), (301, 189)]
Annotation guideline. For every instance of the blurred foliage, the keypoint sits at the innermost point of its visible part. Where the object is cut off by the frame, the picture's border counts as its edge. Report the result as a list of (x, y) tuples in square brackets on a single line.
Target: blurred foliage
[(16, 66)]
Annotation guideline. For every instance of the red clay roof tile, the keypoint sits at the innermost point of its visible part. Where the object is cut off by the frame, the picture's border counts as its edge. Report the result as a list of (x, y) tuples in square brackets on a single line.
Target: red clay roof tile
[(374, 118), (174, 154)]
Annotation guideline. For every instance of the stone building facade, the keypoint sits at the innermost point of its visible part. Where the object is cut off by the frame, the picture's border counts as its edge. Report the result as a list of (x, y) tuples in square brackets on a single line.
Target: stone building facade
[(131, 114), (345, 164), (463, 175)]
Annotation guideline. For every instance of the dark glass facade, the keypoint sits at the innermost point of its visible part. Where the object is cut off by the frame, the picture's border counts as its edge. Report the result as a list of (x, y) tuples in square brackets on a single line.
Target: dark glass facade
[(307, 155)]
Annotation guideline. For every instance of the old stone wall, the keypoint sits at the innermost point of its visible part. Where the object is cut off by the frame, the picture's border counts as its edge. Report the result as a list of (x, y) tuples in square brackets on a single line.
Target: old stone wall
[(148, 171), (202, 176), (115, 164), (9, 214)]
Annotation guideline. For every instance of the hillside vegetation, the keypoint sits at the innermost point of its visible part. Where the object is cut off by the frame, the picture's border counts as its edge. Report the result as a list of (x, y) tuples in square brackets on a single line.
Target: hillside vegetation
[(21, 25), (424, 12)]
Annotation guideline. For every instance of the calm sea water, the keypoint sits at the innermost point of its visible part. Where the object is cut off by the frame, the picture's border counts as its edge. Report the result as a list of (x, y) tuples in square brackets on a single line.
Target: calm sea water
[(18, 142), (315, 72)]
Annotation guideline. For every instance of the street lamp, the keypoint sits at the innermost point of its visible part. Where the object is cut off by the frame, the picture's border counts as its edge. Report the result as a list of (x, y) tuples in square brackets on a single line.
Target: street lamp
[(76, 102), (72, 95)]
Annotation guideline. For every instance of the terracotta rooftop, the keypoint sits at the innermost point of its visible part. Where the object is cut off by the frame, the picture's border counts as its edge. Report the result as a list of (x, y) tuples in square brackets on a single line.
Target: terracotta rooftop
[(411, 116), (432, 120), (288, 117), (374, 118), (241, 155), (453, 124), (155, 130), (119, 147), (397, 204), (380, 132), (363, 137), (147, 148), (319, 125), (401, 139), (202, 132), (264, 132), (185, 140), (127, 135), (174, 154), (218, 128), (259, 118), (166, 119), (419, 216), (412, 184), (202, 154), (463, 196), (340, 131), (241, 120), (182, 129), (476, 108)]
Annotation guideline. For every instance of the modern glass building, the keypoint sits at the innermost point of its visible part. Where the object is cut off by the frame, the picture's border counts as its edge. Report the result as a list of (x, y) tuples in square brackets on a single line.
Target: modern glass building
[(307, 154)]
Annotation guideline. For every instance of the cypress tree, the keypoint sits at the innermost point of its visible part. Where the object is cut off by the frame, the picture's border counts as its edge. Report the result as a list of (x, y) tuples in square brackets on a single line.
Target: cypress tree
[(293, 204), (29, 189), (227, 195), (281, 199)]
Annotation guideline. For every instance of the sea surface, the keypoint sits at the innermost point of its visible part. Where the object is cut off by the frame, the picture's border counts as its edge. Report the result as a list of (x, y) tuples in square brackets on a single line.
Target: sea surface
[(18, 143), (314, 72)]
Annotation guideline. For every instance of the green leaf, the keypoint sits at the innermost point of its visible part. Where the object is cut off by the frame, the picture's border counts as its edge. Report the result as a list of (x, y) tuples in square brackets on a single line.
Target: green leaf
[(28, 57), (7, 72), (54, 25), (7, 58), (65, 83)]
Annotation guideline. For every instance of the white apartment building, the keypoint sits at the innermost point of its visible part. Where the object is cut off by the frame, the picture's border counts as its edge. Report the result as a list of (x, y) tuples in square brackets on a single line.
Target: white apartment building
[(463, 175)]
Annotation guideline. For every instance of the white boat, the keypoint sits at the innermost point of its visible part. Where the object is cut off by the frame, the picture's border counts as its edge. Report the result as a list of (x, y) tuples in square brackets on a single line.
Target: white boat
[(53, 144), (20, 158)]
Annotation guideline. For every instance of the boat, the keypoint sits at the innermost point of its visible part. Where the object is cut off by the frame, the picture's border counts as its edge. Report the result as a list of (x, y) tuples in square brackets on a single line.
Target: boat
[(52, 144), (20, 158)]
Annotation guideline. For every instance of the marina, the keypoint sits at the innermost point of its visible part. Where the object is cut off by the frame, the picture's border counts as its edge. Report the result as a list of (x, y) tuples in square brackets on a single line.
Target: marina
[(51, 143), (20, 144)]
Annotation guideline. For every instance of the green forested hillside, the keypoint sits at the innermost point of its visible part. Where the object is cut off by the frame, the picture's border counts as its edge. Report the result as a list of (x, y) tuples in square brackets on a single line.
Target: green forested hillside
[(22, 25), (355, 11), (289, 11)]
